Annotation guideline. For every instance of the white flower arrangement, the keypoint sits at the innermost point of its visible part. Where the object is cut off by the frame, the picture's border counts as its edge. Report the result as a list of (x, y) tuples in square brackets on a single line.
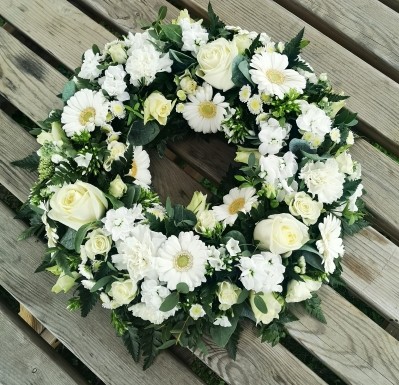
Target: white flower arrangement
[(274, 233)]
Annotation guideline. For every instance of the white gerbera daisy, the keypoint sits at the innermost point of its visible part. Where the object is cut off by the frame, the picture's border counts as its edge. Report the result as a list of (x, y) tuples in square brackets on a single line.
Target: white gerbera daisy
[(254, 105), (205, 112), (245, 93), (270, 74), (139, 170), (84, 111), (182, 259), (237, 200), (330, 245)]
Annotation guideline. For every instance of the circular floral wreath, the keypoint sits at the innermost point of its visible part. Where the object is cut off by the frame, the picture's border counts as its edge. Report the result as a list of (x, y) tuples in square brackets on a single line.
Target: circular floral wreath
[(172, 274)]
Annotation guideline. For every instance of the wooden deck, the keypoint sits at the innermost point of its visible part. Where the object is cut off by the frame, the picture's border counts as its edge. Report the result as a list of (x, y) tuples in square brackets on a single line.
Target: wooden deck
[(355, 43)]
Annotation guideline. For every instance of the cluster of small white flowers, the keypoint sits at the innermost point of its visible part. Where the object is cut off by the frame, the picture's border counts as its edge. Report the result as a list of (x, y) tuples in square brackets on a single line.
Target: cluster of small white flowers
[(193, 35), (272, 136), (113, 82), (89, 69)]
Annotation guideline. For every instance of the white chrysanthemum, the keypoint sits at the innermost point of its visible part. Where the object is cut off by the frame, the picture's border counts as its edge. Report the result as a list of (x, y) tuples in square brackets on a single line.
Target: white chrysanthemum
[(270, 74), (119, 223), (353, 198), (84, 111), (89, 69), (182, 259), (196, 311), (237, 200), (330, 245), (136, 253), (193, 35), (335, 135), (254, 105), (113, 82), (245, 93), (313, 119), (272, 136), (262, 272), (205, 112), (145, 61), (222, 321), (324, 180), (140, 167), (118, 109)]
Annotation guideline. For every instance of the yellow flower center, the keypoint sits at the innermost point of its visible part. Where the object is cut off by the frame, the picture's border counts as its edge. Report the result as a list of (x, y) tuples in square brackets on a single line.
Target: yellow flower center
[(133, 170), (87, 115), (207, 110), (236, 206), (275, 76), (183, 261)]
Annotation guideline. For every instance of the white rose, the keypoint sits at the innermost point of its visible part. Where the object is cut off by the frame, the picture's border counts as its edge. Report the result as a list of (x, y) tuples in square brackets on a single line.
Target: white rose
[(215, 61), (298, 291), (97, 244), (198, 202), (281, 233), (76, 204), (123, 292), (65, 282), (243, 153), (118, 53), (227, 295), (157, 107), (206, 220), (242, 42), (272, 304), (56, 134), (304, 206), (188, 85), (345, 163), (117, 187)]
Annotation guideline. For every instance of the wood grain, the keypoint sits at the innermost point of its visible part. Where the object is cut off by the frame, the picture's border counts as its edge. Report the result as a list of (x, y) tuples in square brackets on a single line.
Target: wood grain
[(379, 114), (367, 28), (91, 339), (26, 359), (57, 26)]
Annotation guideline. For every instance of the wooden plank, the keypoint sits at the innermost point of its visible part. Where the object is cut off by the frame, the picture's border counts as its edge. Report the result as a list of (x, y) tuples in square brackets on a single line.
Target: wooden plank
[(368, 29), (30, 320), (378, 114), (91, 339), (26, 359), (57, 26), (129, 15), (393, 4), (352, 345)]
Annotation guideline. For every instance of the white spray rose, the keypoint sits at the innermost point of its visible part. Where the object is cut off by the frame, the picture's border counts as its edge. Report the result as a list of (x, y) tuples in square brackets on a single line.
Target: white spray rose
[(123, 292), (76, 204), (304, 206), (65, 282), (281, 233), (117, 187), (206, 220), (56, 134), (198, 202), (188, 85), (345, 162), (97, 244), (215, 61), (118, 53), (157, 107), (298, 291), (227, 294), (272, 304)]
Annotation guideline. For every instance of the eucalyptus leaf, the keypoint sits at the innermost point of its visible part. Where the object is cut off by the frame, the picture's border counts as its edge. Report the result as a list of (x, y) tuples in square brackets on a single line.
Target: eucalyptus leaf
[(260, 304), (101, 283), (68, 240), (68, 91), (167, 344), (221, 335), (173, 32), (81, 233), (238, 236), (182, 287), (170, 302), (141, 134)]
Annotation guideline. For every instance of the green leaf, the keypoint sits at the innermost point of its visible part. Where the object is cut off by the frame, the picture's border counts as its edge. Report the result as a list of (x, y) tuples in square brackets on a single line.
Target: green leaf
[(273, 333), (182, 287), (30, 231), (181, 61), (238, 77), (81, 233), (215, 23), (131, 196), (170, 302), (260, 304), (173, 32), (221, 335), (167, 344), (68, 91), (31, 162), (88, 300), (182, 216), (314, 157), (95, 49), (150, 341), (242, 296), (141, 134), (293, 47), (68, 240), (101, 283), (132, 342), (116, 203), (313, 307), (47, 262), (232, 344), (297, 145), (313, 260), (162, 12)]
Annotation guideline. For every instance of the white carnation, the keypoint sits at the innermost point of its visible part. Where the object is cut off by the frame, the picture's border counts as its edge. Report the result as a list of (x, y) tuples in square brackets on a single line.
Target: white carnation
[(113, 82), (193, 35), (89, 69), (313, 119)]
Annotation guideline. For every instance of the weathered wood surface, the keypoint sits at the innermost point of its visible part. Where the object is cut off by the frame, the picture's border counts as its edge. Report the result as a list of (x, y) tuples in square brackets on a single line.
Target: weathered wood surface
[(379, 114), (393, 4), (26, 359), (91, 339), (30, 320), (367, 28), (95, 343)]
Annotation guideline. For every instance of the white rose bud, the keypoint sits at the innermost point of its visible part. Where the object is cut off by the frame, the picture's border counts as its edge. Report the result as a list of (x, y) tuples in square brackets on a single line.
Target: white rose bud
[(206, 220), (272, 304), (198, 202), (75, 205), (304, 206), (123, 292), (56, 134), (242, 42), (336, 107), (345, 163), (157, 107), (65, 282), (97, 244), (188, 85), (118, 53), (281, 233), (215, 61), (227, 295), (243, 154), (117, 187), (298, 291)]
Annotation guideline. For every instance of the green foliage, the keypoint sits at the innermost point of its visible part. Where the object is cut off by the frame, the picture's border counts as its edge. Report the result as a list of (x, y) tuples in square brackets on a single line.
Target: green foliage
[(87, 299), (131, 196), (313, 307), (68, 240), (150, 341), (69, 90), (31, 231), (170, 302), (141, 134), (293, 48), (215, 24), (173, 33), (81, 233), (272, 333), (31, 162), (232, 344), (260, 304), (131, 339)]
